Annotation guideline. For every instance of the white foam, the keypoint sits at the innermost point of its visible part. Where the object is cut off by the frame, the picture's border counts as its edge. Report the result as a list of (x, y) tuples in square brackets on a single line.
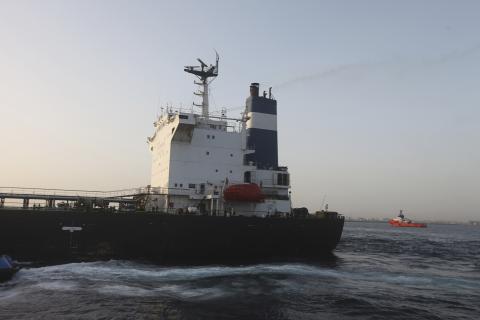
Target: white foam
[(190, 293), (6, 295), (403, 279), (124, 290), (57, 285), (114, 269)]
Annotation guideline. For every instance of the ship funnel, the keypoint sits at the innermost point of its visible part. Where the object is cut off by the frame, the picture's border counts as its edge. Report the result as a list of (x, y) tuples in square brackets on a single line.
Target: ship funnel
[(261, 129), (254, 88)]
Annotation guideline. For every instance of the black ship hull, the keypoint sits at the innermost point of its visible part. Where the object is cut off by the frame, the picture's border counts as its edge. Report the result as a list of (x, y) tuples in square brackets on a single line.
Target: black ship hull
[(50, 236)]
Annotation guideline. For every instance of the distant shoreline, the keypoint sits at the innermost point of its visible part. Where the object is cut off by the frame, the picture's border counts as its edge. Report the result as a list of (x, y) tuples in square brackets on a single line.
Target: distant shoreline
[(470, 223)]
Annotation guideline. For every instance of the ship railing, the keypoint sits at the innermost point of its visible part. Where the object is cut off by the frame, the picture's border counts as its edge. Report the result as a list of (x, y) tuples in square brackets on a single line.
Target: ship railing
[(51, 192), (44, 192), (232, 124), (19, 192)]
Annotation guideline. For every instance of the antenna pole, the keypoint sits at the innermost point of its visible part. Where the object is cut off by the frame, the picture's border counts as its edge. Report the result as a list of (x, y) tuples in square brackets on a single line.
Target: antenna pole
[(205, 99), (204, 72)]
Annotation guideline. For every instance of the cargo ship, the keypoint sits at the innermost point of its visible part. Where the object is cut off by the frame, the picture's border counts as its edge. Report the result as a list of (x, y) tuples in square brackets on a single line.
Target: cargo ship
[(216, 194), (401, 221)]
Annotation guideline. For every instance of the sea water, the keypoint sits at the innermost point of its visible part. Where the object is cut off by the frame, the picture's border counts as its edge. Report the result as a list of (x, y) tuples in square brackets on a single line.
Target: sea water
[(377, 272)]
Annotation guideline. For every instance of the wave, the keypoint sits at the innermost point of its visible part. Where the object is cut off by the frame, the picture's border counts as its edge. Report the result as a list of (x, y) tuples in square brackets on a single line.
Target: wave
[(394, 275), (126, 278), (116, 269)]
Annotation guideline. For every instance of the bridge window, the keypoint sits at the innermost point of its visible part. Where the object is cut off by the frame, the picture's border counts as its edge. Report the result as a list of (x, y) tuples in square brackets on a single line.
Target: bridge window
[(283, 179), (191, 185)]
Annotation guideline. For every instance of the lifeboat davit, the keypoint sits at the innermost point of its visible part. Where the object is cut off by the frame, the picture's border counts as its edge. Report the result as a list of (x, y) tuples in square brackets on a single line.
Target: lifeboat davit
[(245, 192), (406, 223)]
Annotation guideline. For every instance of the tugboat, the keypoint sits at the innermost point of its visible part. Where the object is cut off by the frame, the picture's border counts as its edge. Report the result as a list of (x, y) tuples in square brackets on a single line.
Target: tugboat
[(7, 268), (217, 194), (401, 221)]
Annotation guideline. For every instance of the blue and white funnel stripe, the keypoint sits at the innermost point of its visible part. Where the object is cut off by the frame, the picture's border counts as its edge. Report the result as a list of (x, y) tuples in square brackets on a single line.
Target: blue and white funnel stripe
[(263, 121), (262, 130)]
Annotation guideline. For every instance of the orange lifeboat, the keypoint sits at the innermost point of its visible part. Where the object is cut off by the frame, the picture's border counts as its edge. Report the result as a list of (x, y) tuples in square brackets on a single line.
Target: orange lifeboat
[(245, 192)]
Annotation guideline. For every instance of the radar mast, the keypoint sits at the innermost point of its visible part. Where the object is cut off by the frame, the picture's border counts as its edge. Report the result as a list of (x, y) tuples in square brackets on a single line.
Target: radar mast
[(204, 73)]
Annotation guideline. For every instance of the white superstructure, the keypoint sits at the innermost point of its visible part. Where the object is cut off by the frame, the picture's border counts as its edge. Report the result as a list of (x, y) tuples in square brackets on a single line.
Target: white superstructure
[(197, 157)]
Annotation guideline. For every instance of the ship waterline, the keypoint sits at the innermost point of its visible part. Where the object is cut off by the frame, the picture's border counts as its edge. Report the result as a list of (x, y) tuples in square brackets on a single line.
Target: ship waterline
[(44, 236)]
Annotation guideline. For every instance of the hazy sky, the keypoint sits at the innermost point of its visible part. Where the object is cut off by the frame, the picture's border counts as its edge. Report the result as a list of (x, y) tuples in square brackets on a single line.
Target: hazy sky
[(379, 101)]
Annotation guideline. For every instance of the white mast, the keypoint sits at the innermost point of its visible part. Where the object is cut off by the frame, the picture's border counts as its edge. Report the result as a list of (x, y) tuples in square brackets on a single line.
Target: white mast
[(203, 72)]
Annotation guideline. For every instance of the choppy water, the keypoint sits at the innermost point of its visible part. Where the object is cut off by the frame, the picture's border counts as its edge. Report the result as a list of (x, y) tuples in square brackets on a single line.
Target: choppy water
[(378, 272)]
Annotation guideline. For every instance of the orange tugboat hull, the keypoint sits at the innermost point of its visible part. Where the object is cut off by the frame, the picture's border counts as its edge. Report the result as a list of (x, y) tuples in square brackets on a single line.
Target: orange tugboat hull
[(407, 224)]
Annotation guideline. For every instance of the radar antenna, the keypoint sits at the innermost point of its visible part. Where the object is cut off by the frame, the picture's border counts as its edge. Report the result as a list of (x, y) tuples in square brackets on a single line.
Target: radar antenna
[(203, 72)]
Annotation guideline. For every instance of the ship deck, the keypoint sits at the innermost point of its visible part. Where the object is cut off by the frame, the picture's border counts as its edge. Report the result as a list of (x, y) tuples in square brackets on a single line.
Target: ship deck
[(124, 197)]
